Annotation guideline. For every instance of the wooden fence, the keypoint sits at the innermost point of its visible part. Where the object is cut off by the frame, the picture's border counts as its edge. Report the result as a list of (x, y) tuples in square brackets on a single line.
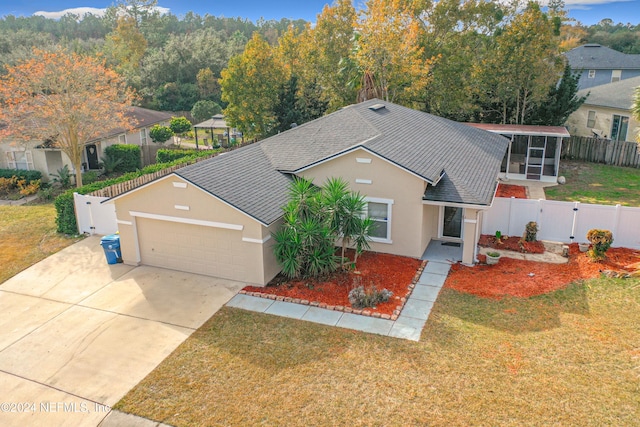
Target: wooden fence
[(596, 150)]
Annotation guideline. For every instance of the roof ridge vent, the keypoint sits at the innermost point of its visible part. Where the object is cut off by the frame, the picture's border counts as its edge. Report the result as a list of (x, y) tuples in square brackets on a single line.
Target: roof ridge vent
[(376, 107)]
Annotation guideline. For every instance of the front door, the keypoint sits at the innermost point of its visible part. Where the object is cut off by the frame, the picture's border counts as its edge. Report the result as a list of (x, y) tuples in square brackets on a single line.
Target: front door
[(92, 156), (451, 222)]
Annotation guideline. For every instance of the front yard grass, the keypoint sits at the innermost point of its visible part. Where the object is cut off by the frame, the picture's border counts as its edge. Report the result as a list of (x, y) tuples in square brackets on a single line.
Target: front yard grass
[(597, 183), (571, 357), (27, 235)]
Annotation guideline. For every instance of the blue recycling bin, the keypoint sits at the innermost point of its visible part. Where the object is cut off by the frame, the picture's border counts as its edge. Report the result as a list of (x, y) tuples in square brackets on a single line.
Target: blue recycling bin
[(111, 246)]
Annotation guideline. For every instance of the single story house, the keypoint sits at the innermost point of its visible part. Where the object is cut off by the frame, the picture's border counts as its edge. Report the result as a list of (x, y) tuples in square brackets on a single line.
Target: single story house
[(45, 157), (534, 151), (424, 177), (607, 112)]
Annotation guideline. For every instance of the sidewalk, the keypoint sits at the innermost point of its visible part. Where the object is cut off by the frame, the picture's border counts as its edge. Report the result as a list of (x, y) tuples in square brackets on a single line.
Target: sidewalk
[(408, 326)]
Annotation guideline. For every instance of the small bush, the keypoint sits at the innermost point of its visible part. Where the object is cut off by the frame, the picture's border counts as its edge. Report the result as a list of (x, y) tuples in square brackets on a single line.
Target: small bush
[(27, 189), (179, 125), (601, 241), (360, 297), (531, 232), (166, 155), (128, 154), (8, 185), (46, 193), (109, 164), (160, 134), (89, 177), (62, 177), (21, 174)]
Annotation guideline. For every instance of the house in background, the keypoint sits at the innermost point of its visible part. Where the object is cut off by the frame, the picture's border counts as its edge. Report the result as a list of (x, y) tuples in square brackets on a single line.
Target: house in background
[(45, 157), (599, 65), (607, 112), (424, 178)]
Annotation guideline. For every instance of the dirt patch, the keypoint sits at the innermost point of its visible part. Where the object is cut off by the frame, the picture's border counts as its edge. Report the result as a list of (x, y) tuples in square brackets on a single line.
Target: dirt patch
[(393, 272), (510, 190), (511, 243), (517, 278)]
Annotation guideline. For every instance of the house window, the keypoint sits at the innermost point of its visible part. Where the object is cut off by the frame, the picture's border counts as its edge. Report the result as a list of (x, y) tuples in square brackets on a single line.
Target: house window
[(143, 136), (122, 139), (380, 211), (592, 74), (619, 127), (20, 160), (591, 119), (616, 75)]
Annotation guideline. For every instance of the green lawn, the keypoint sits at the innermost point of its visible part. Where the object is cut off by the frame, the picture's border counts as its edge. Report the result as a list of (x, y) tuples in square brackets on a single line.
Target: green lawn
[(27, 235), (597, 183), (567, 358)]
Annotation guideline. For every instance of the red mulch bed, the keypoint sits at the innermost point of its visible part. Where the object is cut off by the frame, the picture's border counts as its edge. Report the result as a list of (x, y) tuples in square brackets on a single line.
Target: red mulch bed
[(511, 277), (392, 272), (510, 190), (511, 243)]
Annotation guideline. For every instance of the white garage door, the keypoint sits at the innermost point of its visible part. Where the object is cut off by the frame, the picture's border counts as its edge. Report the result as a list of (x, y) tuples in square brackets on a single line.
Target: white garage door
[(192, 248)]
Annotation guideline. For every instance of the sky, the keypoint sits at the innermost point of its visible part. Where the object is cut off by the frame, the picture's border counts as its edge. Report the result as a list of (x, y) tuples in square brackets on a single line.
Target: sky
[(586, 11)]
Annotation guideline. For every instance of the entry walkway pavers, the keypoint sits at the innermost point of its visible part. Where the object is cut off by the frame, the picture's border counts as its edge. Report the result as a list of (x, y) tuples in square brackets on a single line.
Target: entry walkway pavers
[(408, 325)]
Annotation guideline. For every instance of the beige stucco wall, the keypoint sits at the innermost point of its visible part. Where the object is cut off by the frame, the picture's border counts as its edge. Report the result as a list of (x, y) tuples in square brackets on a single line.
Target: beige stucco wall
[(387, 182), (161, 198), (472, 224), (38, 156), (577, 122)]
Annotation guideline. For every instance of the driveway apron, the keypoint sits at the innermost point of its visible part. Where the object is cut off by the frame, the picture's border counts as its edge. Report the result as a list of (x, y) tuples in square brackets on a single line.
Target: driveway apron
[(76, 334)]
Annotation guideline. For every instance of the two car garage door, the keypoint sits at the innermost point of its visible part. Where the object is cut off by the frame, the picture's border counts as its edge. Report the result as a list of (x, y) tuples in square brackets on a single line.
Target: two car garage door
[(193, 248)]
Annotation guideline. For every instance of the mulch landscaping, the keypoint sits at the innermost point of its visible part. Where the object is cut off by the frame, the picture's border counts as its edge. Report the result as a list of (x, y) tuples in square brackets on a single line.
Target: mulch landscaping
[(510, 190), (511, 243), (518, 278), (384, 271)]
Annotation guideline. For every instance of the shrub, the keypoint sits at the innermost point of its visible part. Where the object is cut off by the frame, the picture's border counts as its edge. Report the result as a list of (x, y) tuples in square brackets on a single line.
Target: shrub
[(601, 241), (7, 185), (109, 164), (128, 156), (531, 232), (160, 134), (46, 193), (63, 177), (360, 297), (179, 125), (89, 177), (21, 174), (30, 188), (166, 155)]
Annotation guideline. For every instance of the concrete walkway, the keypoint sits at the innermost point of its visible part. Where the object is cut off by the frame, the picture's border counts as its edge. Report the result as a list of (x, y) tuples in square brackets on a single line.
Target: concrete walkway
[(409, 324)]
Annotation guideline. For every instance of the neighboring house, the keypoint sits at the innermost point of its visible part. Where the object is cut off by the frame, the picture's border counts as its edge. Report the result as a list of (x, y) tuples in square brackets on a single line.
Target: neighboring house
[(423, 177), (599, 65), (607, 112), (43, 156)]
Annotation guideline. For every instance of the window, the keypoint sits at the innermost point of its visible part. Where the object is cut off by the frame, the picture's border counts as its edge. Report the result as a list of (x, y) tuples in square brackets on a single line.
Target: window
[(616, 75), (380, 211), (591, 119), (592, 74), (20, 160), (143, 136), (122, 139), (619, 127)]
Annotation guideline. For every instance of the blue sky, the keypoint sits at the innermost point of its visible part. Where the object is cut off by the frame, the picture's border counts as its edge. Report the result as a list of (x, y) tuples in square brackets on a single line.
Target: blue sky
[(586, 11)]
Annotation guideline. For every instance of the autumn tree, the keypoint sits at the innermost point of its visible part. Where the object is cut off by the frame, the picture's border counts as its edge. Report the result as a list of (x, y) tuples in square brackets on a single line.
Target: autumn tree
[(250, 87), (126, 46), (63, 97)]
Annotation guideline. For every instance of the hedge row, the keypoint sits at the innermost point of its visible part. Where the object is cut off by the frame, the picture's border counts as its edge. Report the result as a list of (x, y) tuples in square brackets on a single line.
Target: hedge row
[(21, 174), (66, 216), (129, 155), (166, 155)]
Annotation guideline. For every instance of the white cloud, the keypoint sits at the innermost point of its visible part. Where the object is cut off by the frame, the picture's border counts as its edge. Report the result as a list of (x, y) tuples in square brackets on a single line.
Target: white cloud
[(81, 11)]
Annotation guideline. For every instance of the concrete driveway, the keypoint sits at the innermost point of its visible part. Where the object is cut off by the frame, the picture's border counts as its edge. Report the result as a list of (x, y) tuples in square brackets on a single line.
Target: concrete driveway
[(77, 334)]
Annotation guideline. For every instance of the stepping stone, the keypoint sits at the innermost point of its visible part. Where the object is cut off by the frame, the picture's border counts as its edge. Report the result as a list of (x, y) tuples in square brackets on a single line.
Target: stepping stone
[(437, 268), (322, 316), (432, 279), (418, 309), (425, 292), (365, 324), (287, 309)]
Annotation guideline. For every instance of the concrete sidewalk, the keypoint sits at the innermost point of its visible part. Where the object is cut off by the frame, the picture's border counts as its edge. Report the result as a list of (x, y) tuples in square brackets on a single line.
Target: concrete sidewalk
[(409, 324)]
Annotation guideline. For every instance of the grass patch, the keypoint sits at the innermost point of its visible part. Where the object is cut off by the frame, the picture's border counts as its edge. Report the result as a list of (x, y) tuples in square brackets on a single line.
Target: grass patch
[(27, 235), (597, 183), (571, 357)]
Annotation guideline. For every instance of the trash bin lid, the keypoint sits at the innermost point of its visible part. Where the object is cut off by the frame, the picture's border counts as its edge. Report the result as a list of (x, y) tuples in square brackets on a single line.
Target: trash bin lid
[(111, 238)]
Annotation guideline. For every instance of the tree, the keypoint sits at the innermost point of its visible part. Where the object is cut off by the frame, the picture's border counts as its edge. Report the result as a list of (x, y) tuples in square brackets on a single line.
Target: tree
[(560, 102), (180, 125), (126, 47), (160, 134), (65, 97), (635, 110), (204, 110), (250, 87)]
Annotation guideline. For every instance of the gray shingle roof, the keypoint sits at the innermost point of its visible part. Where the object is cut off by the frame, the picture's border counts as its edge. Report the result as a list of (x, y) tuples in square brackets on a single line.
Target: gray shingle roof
[(252, 178), (143, 118), (613, 95), (596, 57)]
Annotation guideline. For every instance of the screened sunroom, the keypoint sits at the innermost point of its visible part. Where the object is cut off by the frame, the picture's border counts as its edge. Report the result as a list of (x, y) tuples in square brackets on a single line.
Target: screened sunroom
[(534, 151)]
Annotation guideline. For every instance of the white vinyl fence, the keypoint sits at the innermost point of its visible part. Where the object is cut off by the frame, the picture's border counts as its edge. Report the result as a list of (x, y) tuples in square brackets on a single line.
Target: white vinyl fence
[(566, 222), (94, 217)]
